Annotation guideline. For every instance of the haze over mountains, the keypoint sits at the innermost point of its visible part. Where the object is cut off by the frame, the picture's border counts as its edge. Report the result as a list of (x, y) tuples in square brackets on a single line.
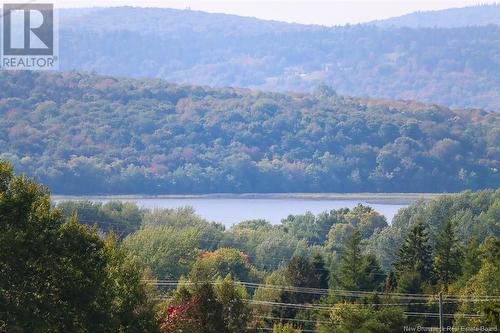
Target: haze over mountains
[(457, 67), (447, 18)]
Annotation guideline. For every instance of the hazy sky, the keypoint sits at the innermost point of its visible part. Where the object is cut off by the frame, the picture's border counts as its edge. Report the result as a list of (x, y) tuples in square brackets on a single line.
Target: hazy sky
[(326, 12)]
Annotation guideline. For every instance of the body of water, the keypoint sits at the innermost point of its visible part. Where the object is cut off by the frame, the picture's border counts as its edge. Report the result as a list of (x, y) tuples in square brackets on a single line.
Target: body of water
[(231, 209)]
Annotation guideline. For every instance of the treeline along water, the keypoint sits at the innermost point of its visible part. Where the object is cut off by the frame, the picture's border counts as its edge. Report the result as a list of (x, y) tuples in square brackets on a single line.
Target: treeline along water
[(230, 210)]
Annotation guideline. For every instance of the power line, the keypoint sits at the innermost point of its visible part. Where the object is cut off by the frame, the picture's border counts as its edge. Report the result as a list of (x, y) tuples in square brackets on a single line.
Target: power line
[(436, 315), (272, 329), (294, 319), (328, 308), (325, 308), (291, 305), (313, 291), (338, 292)]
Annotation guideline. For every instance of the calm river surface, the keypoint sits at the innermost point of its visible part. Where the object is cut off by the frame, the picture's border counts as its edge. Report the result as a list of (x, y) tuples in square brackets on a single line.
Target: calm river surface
[(231, 209)]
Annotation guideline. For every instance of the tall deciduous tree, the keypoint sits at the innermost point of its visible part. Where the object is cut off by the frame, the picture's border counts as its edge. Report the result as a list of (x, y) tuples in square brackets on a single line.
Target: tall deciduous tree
[(348, 318), (58, 276)]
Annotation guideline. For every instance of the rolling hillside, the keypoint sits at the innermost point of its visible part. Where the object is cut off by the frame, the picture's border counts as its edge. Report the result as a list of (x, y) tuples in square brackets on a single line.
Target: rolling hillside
[(81, 133)]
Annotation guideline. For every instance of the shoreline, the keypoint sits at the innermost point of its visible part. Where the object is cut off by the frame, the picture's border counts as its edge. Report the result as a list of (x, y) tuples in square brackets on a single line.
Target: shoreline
[(367, 197)]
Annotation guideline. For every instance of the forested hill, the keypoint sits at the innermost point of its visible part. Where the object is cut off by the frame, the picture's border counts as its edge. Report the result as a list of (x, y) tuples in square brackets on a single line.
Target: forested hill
[(447, 18), (81, 133), (456, 67)]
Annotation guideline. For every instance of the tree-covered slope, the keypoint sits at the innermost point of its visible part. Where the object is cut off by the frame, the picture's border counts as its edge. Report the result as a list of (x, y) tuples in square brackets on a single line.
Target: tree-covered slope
[(81, 133), (457, 67)]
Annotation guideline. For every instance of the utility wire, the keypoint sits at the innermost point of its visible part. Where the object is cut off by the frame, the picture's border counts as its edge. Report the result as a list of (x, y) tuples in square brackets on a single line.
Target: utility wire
[(294, 319), (325, 308), (339, 292)]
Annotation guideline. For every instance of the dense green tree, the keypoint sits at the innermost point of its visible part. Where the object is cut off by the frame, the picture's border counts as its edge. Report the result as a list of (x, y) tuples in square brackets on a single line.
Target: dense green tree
[(59, 276), (320, 271), (390, 282), (351, 262), (350, 318), (470, 212), (361, 217), (209, 234), (259, 243), (339, 234), (264, 293), (447, 256), (285, 328), (236, 313), (299, 272), (303, 227), (52, 273), (208, 313), (481, 287), (205, 308), (221, 263), (132, 298), (471, 260), (122, 218), (366, 219), (358, 271), (414, 260), (167, 251)]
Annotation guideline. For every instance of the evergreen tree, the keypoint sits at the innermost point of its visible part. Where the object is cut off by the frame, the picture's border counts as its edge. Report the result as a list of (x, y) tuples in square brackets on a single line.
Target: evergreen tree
[(321, 274), (358, 271), (236, 313), (414, 262), (298, 273), (471, 260), (351, 261), (372, 274), (390, 282), (447, 256), (209, 312)]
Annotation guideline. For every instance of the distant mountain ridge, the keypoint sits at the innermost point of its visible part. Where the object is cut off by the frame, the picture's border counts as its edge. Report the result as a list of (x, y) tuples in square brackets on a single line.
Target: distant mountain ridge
[(167, 20), (456, 67), (447, 18)]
